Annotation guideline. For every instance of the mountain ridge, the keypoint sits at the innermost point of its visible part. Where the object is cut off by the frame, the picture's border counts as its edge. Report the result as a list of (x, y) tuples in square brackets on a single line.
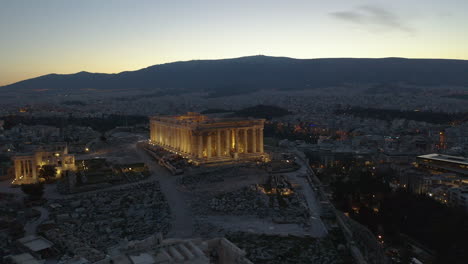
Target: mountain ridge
[(261, 72)]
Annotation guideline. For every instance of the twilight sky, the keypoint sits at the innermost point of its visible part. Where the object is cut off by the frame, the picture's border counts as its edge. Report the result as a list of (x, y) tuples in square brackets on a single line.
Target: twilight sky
[(65, 36)]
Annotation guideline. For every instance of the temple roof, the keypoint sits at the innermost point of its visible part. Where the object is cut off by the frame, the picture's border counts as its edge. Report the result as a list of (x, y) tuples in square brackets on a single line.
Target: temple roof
[(197, 119)]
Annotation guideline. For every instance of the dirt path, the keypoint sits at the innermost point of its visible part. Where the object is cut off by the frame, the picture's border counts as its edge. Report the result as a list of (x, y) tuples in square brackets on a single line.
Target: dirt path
[(182, 225), (31, 227)]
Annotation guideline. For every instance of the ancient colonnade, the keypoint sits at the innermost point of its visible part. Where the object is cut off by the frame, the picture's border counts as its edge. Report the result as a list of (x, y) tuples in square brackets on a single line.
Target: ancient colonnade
[(25, 169), (208, 143)]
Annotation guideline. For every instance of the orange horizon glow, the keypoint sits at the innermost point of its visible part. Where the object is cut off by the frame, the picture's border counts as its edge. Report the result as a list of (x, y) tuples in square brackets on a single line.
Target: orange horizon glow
[(64, 37)]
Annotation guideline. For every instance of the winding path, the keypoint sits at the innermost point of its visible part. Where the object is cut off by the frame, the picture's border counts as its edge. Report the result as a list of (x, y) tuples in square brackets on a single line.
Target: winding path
[(31, 227), (182, 225)]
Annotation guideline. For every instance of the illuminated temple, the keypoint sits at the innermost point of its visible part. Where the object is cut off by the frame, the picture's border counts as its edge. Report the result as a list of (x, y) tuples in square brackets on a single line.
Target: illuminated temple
[(28, 165), (208, 140)]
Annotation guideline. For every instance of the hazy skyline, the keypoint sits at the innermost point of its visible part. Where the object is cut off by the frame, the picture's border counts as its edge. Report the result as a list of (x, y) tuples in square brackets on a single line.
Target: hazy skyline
[(55, 36)]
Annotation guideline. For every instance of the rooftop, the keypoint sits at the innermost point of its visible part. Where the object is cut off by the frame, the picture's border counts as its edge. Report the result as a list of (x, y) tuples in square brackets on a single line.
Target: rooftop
[(196, 119), (35, 243), (446, 158)]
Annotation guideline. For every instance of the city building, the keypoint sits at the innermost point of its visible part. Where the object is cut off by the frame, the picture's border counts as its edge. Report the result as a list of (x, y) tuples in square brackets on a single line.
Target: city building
[(445, 163), (202, 139), (28, 165), (459, 197), (442, 140), (441, 177)]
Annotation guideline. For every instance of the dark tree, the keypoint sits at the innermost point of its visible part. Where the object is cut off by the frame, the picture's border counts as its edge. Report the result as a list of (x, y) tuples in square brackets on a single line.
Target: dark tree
[(34, 191), (48, 172)]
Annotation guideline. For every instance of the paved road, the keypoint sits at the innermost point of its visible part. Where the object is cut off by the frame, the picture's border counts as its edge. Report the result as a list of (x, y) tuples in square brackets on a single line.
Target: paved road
[(31, 227), (182, 225), (318, 228)]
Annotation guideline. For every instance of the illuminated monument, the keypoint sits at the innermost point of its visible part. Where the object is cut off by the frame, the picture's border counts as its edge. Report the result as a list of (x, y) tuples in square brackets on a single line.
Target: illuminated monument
[(209, 140), (27, 166)]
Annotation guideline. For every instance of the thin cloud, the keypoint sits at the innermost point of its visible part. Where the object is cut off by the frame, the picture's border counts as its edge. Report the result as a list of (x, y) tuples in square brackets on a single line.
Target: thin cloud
[(348, 16), (373, 16)]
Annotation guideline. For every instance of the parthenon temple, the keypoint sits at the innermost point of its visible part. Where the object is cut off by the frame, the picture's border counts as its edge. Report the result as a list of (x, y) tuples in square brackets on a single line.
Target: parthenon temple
[(202, 139)]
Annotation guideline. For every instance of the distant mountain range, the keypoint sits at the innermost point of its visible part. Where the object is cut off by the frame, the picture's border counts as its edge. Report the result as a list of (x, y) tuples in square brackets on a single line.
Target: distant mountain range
[(245, 74)]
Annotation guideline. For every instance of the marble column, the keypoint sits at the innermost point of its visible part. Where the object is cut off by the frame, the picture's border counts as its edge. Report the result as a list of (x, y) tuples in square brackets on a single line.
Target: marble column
[(160, 134), (156, 129), (168, 134), (181, 139), (20, 172), (200, 145), (218, 143), (246, 148), (28, 169), (208, 146), (151, 132), (171, 136), (33, 170), (236, 137), (260, 139), (228, 141), (25, 170), (184, 140), (178, 145), (22, 168), (165, 136), (189, 142), (155, 133), (180, 133), (176, 138), (176, 133), (254, 140), (17, 170)]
